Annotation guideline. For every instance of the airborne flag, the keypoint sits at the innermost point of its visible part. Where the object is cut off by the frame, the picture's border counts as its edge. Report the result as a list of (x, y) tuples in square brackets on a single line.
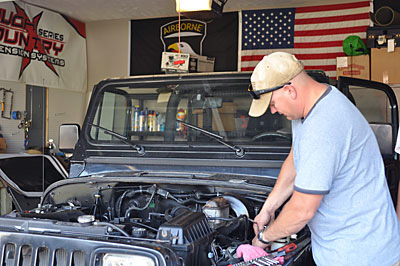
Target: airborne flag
[(151, 37)]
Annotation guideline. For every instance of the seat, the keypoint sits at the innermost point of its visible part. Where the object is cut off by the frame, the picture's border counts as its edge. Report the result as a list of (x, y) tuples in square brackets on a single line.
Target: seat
[(384, 135), (268, 122)]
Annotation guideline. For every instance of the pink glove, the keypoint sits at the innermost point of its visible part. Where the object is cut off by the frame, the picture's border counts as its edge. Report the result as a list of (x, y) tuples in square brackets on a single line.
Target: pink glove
[(249, 252), (281, 259)]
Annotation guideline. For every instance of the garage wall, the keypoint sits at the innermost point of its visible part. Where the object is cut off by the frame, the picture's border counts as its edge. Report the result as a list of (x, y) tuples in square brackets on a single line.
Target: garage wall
[(64, 107), (9, 127), (107, 50), (108, 46)]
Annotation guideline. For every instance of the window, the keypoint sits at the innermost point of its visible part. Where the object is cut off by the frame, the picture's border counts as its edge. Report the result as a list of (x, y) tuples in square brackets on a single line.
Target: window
[(148, 112)]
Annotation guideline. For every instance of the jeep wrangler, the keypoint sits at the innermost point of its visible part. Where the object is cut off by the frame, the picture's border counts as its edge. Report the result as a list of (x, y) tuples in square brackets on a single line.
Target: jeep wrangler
[(167, 170)]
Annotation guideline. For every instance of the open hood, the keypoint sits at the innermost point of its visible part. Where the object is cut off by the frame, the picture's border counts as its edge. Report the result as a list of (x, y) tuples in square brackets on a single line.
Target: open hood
[(26, 176)]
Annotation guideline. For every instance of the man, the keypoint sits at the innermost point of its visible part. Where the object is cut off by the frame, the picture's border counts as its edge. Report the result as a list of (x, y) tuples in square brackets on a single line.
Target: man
[(397, 150), (334, 173), (398, 201)]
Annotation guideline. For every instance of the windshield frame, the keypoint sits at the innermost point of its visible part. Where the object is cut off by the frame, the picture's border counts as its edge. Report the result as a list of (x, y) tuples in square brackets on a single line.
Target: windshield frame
[(152, 81)]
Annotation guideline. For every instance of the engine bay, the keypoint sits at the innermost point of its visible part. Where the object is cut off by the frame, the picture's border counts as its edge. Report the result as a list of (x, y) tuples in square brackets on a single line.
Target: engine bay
[(203, 224)]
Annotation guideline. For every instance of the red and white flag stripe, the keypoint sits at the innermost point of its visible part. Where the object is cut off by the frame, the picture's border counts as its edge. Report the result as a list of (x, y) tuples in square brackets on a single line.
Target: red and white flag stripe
[(319, 32)]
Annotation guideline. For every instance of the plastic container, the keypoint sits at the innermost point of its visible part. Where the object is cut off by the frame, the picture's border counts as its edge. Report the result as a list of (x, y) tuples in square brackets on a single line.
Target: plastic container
[(136, 118), (141, 121), (146, 119), (150, 121), (180, 115)]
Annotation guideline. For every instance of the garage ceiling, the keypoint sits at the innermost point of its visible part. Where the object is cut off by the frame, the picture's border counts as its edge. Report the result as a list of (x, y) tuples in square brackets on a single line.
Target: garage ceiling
[(97, 10)]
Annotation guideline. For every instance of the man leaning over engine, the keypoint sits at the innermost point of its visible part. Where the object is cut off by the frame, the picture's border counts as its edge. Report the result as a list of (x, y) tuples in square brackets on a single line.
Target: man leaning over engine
[(334, 173)]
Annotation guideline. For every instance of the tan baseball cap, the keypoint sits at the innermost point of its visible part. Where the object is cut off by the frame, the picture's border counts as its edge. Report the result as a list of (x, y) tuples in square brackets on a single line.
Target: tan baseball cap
[(273, 70)]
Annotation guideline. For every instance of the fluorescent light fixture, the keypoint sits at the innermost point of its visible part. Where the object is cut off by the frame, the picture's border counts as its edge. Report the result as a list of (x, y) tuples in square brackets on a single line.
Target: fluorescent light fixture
[(193, 5)]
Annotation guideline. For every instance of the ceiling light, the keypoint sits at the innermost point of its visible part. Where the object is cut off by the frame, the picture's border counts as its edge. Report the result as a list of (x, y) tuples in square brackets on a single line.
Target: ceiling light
[(204, 10), (193, 5)]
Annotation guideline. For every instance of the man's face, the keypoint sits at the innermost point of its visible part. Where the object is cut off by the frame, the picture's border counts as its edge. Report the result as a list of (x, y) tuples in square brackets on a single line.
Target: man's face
[(282, 102)]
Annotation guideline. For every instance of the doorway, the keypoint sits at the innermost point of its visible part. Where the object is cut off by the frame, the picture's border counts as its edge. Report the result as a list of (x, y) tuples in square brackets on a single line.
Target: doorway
[(37, 115)]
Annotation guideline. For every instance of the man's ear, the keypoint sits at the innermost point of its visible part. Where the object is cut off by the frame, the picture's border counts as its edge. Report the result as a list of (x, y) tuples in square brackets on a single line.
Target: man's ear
[(291, 91)]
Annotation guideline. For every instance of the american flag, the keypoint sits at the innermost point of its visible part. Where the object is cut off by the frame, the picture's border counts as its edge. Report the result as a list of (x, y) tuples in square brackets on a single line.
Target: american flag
[(314, 34)]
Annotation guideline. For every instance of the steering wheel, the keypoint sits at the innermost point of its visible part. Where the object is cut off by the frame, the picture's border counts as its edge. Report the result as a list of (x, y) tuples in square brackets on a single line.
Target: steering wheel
[(271, 135)]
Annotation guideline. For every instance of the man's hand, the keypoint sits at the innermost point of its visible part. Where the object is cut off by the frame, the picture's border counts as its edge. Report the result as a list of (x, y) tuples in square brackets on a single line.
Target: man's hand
[(296, 213), (262, 219), (257, 243)]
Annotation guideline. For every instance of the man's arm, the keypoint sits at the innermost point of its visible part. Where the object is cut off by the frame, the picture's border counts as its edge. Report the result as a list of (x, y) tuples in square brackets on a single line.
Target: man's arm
[(398, 201), (294, 216), (282, 190)]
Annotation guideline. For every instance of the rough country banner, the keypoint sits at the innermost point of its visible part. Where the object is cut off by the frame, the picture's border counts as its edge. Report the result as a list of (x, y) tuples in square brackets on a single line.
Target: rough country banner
[(42, 48)]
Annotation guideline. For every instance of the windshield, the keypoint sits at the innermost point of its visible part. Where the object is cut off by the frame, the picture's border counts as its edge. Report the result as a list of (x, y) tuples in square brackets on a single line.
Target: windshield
[(146, 112)]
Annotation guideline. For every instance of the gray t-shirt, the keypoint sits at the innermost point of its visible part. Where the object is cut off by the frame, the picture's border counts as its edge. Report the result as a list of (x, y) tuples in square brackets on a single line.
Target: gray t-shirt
[(336, 154)]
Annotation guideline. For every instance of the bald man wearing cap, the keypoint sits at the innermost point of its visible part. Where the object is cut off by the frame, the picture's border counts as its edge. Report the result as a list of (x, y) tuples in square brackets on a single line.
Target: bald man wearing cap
[(333, 176)]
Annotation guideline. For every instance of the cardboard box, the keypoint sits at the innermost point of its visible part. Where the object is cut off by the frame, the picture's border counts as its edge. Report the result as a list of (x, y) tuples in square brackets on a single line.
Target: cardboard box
[(353, 66), (199, 63), (184, 63), (385, 66)]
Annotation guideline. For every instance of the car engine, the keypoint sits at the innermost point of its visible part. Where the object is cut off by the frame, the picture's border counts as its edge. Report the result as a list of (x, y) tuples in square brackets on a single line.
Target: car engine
[(204, 225)]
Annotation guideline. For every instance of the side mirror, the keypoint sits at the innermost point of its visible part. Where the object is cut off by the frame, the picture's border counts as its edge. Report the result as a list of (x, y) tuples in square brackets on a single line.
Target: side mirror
[(69, 135)]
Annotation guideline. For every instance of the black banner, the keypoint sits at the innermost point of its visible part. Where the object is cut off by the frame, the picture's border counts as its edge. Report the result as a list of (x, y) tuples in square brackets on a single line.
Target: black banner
[(151, 37), (395, 4)]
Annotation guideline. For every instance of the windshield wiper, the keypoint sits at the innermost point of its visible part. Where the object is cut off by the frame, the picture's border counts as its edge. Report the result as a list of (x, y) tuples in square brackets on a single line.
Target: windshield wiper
[(138, 148), (239, 151)]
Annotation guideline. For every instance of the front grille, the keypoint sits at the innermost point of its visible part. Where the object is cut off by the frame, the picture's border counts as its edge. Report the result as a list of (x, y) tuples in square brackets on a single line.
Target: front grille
[(27, 255), (34, 242), (25, 249), (9, 254)]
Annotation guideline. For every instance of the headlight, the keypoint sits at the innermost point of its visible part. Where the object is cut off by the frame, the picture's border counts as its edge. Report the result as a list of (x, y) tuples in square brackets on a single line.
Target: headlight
[(111, 259)]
